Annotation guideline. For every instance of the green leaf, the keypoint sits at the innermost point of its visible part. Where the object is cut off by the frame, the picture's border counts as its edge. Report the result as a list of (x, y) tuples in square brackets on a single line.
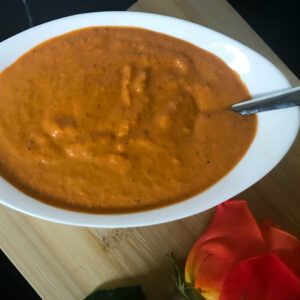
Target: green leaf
[(121, 293)]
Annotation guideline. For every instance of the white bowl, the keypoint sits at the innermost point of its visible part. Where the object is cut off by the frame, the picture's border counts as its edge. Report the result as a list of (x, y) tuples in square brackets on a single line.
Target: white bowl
[(276, 130)]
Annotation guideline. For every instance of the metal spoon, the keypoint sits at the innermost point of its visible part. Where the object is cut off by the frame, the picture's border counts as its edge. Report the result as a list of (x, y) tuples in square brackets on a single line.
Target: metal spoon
[(277, 100)]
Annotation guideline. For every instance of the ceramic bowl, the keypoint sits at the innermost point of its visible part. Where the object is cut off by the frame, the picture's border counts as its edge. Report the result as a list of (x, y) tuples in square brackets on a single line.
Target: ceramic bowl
[(276, 129)]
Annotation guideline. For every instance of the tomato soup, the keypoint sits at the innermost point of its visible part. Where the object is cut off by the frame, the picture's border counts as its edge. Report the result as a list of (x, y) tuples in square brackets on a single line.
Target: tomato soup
[(119, 119)]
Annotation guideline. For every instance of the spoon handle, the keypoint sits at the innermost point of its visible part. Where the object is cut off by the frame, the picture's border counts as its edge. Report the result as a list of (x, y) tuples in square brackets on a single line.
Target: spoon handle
[(277, 100)]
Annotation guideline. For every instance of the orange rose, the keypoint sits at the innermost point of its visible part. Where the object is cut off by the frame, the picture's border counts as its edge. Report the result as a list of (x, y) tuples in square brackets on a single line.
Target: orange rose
[(238, 259)]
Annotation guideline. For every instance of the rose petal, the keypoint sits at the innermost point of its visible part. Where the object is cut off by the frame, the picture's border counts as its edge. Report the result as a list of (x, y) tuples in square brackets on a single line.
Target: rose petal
[(232, 236), (264, 277), (285, 245)]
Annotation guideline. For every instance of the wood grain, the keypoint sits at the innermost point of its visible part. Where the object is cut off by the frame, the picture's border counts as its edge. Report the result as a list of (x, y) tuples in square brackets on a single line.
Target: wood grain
[(65, 262)]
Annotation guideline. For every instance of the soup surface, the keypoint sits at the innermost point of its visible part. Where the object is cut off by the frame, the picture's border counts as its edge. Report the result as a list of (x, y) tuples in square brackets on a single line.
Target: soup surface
[(116, 119)]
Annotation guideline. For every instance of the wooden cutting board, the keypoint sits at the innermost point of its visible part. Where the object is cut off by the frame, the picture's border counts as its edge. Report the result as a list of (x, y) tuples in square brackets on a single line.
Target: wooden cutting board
[(65, 262)]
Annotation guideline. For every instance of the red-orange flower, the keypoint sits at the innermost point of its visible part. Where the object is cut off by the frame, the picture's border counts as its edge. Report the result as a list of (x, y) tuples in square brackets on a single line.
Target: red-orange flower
[(219, 261), (263, 277)]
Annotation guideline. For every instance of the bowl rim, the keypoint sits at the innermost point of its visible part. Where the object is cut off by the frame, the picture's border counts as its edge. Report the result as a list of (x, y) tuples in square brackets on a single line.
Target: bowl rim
[(11, 197)]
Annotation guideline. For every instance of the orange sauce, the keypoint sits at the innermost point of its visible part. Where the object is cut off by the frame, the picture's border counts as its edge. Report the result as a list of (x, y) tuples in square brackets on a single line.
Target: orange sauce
[(114, 119)]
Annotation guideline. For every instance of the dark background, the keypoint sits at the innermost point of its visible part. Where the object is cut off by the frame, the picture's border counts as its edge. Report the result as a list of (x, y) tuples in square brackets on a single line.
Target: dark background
[(276, 21)]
